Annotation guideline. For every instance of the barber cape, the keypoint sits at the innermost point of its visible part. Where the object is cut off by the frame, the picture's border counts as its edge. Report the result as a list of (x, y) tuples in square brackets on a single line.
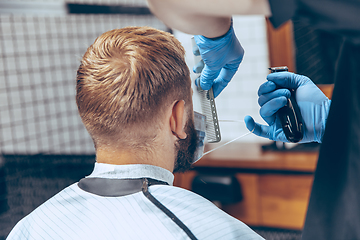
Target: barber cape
[(77, 214)]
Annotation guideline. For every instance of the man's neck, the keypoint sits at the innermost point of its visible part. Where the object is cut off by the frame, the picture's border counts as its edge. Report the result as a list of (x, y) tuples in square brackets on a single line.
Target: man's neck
[(123, 157)]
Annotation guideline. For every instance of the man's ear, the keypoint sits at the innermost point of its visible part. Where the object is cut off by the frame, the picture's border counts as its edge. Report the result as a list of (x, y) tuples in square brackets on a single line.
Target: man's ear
[(178, 119)]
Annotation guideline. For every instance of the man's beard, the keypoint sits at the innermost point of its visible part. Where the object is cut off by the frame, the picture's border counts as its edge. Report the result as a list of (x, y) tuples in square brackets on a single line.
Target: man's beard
[(186, 148)]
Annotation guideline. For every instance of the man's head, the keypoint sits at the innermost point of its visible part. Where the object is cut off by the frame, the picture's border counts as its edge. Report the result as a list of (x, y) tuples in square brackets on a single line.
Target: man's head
[(128, 80)]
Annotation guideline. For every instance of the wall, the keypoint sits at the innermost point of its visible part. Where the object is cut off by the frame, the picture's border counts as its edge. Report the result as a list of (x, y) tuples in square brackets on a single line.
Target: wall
[(39, 58)]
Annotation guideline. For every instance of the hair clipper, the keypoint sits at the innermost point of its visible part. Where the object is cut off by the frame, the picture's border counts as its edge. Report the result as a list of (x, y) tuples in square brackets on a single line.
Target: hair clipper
[(290, 115)]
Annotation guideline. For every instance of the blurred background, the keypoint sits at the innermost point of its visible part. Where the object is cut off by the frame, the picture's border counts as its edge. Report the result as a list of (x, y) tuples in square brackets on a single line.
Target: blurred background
[(43, 144)]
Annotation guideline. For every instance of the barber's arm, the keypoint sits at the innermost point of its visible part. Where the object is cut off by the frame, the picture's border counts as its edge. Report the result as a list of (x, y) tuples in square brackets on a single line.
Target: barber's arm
[(210, 18), (210, 22), (314, 107)]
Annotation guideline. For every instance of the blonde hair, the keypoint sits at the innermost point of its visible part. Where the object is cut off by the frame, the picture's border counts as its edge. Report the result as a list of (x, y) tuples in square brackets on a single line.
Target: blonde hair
[(126, 78)]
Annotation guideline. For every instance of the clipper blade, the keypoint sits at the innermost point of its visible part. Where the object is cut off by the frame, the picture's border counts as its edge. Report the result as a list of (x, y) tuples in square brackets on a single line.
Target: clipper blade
[(208, 108)]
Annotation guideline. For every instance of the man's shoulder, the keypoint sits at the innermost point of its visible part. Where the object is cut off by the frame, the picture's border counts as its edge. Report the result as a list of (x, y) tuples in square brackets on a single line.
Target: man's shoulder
[(188, 202), (65, 196), (61, 199), (173, 194), (203, 218), (43, 215)]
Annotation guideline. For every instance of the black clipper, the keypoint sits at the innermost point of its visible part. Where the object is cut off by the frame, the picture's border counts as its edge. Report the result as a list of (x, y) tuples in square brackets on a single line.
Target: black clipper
[(290, 115)]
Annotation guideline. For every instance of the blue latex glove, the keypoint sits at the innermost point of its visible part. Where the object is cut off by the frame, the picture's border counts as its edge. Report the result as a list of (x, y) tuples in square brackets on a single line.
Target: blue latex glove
[(314, 107), (222, 57)]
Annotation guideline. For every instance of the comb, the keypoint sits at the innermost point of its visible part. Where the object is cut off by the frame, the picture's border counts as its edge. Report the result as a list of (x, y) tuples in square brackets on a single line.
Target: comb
[(208, 107)]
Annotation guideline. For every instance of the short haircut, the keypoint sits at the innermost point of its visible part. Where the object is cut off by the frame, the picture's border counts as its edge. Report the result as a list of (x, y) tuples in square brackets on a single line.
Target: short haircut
[(125, 80)]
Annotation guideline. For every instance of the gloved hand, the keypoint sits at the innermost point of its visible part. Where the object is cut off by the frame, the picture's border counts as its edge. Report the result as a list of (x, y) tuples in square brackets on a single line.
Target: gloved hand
[(222, 57), (314, 107)]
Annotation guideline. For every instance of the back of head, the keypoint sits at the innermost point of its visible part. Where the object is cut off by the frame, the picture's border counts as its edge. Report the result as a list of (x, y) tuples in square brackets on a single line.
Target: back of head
[(126, 79)]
